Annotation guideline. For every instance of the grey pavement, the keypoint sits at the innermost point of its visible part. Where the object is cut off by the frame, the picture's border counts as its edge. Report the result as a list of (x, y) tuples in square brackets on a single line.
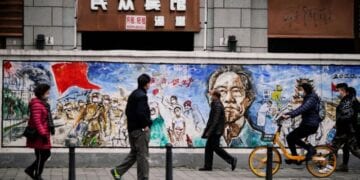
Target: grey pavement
[(178, 174)]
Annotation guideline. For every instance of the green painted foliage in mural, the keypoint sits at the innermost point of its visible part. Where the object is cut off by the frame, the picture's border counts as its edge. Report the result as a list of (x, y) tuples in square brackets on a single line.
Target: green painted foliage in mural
[(13, 107)]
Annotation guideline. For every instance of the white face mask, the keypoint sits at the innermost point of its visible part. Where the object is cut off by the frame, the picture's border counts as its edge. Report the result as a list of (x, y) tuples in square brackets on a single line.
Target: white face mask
[(339, 95), (46, 96)]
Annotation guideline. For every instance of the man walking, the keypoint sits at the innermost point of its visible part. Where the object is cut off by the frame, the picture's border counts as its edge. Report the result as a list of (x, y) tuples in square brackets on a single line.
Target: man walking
[(345, 132), (213, 132), (138, 115)]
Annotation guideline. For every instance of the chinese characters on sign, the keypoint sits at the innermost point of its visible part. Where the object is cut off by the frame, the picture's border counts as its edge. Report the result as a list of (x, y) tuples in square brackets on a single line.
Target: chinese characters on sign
[(168, 14), (136, 22), (152, 5), (178, 5), (95, 4), (159, 21), (126, 5), (180, 21)]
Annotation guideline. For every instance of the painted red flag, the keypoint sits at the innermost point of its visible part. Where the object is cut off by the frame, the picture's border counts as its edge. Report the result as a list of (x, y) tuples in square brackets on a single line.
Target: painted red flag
[(72, 74), (7, 66), (333, 87), (155, 91)]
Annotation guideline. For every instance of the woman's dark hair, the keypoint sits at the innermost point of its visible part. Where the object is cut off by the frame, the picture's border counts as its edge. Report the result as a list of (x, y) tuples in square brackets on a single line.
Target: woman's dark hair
[(143, 80), (307, 88), (351, 91), (41, 89)]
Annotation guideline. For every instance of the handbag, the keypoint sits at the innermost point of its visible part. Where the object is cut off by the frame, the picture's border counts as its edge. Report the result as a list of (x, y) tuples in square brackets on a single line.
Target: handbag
[(30, 132)]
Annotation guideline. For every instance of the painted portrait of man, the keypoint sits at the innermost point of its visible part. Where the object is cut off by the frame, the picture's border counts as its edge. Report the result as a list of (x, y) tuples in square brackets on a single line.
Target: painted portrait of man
[(237, 94)]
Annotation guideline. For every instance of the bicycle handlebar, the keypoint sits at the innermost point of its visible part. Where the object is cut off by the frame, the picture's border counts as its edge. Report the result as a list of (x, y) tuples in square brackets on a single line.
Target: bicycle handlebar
[(278, 120)]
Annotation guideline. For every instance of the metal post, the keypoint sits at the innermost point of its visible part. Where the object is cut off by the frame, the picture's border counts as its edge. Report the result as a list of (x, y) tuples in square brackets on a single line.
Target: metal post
[(72, 163), (269, 162), (71, 143), (169, 174)]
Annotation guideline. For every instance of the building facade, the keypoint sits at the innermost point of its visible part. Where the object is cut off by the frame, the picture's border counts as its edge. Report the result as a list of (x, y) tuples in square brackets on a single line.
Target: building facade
[(186, 75), (244, 19), (212, 25)]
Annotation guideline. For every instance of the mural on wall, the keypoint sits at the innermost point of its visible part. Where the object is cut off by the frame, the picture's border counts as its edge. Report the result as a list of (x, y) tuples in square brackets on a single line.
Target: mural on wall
[(88, 100)]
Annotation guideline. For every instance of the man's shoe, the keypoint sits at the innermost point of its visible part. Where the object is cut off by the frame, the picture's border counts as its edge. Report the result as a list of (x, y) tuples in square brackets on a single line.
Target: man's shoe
[(205, 169), (342, 168), (30, 173), (115, 174), (233, 164), (326, 169)]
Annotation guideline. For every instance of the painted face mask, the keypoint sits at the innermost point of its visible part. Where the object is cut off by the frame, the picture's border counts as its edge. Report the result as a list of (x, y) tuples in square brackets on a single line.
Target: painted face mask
[(96, 100), (301, 93)]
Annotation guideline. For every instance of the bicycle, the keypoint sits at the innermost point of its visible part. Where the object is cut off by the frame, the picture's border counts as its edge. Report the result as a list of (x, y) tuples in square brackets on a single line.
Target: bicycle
[(322, 164)]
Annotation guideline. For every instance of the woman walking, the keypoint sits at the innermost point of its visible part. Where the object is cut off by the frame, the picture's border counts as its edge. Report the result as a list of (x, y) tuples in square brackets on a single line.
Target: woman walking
[(40, 120)]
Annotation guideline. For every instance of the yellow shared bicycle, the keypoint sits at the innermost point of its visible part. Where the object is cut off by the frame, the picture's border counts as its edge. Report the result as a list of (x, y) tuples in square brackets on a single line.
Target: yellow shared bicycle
[(322, 164)]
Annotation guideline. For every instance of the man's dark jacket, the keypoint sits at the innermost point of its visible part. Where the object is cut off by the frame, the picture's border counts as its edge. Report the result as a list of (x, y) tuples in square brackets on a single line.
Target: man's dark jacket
[(216, 122), (345, 115), (138, 111)]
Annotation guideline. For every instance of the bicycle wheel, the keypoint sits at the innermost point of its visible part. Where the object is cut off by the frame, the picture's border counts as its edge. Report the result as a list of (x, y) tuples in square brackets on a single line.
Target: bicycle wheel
[(258, 158), (322, 164)]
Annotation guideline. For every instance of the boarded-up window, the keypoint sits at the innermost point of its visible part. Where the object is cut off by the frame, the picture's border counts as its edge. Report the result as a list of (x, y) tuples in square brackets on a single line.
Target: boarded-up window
[(11, 18), (311, 19), (313, 26)]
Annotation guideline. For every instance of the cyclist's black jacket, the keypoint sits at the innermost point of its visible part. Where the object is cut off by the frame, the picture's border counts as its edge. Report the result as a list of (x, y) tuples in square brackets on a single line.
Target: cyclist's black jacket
[(309, 111)]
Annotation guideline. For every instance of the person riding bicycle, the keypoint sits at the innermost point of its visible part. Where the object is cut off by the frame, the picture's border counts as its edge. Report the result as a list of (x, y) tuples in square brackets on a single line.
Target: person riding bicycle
[(309, 111)]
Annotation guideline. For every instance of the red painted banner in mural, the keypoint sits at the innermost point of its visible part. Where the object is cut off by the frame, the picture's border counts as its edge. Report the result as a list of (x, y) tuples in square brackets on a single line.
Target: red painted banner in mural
[(72, 74)]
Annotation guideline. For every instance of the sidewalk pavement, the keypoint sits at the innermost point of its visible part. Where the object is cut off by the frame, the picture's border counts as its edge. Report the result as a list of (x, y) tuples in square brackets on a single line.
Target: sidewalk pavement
[(178, 174)]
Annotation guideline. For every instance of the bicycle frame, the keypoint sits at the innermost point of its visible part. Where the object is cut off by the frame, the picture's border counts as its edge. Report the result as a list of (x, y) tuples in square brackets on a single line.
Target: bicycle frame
[(276, 140), (324, 157)]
